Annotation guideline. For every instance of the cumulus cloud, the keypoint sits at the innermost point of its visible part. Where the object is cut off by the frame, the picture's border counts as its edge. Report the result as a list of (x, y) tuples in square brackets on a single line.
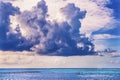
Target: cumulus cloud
[(53, 17), (34, 32), (24, 4), (96, 10), (58, 38), (101, 17)]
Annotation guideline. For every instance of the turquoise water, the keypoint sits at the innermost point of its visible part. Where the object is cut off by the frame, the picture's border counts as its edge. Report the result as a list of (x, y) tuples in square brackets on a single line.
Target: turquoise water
[(59, 74)]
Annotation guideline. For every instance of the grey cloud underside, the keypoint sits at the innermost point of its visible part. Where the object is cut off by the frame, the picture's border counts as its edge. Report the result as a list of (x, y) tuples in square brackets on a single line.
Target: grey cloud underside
[(44, 36)]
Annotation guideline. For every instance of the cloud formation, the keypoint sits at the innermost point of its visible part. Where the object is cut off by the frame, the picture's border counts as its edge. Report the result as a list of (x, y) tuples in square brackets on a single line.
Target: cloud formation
[(35, 33), (31, 60), (105, 36), (96, 10), (6, 9)]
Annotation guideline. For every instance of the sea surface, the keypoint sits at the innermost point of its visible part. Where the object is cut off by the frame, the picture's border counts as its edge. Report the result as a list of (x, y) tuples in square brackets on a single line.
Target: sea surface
[(60, 74)]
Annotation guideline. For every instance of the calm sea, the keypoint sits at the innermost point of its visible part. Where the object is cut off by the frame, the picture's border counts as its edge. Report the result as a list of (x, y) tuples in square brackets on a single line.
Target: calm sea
[(59, 74)]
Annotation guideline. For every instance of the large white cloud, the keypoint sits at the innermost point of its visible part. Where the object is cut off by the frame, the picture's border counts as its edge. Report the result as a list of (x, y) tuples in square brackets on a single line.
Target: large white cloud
[(97, 17), (49, 36)]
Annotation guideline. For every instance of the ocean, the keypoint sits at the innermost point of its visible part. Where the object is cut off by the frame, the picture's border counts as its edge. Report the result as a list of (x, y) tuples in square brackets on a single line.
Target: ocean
[(60, 74)]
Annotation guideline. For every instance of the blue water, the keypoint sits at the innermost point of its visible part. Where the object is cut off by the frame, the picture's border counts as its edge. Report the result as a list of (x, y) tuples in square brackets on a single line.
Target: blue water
[(60, 74)]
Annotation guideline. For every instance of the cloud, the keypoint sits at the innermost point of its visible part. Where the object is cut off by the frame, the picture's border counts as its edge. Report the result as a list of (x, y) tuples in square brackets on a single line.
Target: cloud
[(57, 38), (6, 9), (30, 29), (33, 31), (98, 17), (114, 5), (31, 60), (105, 36), (104, 41), (97, 10), (24, 4), (109, 37)]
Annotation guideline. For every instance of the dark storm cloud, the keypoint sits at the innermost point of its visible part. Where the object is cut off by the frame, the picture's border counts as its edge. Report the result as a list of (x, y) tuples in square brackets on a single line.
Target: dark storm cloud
[(6, 9), (46, 37)]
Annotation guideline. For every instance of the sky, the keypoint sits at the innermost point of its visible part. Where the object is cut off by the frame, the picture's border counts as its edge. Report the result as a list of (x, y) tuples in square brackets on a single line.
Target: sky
[(27, 25), (60, 28)]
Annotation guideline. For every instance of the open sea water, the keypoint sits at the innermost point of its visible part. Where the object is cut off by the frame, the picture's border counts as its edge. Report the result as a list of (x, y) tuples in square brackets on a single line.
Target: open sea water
[(59, 74)]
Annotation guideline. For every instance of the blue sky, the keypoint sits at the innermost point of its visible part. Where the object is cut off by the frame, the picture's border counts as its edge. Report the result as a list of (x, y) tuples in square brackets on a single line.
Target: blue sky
[(114, 5), (54, 27), (59, 28)]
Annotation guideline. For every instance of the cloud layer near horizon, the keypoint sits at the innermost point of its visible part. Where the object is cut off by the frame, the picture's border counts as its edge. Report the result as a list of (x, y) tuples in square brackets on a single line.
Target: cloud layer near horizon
[(31, 60)]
